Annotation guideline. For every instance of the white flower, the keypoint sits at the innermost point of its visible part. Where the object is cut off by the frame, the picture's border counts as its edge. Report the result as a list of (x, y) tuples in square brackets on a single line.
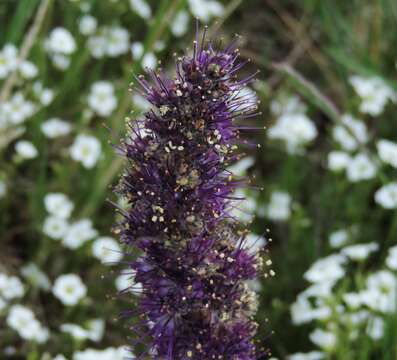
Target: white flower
[(61, 41), (287, 105), (386, 196), (180, 23), (387, 151), (44, 95), (376, 328), (391, 260), (35, 276), (78, 233), (374, 94), (338, 238), (361, 168), (55, 227), (140, 102), (142, 8), (22, 319), (205, 9), (126, 281), (17, 109), (338, 160), (111, 41), (69, 289), (102, 99), (28, 70), (3, 189), (59, 205), (59, 357), (109, 353), (353, 133), (137, 49), (25, 149), (353, 300), (86, 149), (279, 207), (244, 207), (87, 25), (301, 311), (8, 60), (323, 339), (60, 61), (328, 269), (10, 287), (253, 243), (380, 294), (149, 61), (360, 252), (313, 355), (240, 168), (55, 127), (93, 331), (107, 250), (296, 130)]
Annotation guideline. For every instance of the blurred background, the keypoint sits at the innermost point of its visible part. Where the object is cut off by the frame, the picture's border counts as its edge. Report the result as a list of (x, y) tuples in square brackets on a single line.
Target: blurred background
[(327, 165)]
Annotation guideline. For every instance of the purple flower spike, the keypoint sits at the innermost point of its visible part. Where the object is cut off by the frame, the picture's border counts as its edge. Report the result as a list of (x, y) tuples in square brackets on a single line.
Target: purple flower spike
[(192, 260)]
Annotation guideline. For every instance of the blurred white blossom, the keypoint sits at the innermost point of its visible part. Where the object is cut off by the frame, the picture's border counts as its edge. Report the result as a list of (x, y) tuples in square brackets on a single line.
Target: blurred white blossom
[(107, 250), (59, 205), (55, 227), (361, 168), (296, 130), (323, 339), (86, 149), (11, 287), (69, 289), (8, 60), (23, 320), (279, 207), (338, 160), (206, 9), (78, 233), (142, 8), (60, 41), (386, 196), (391, 260), (101, 98), (360, 252), (17, 109), (351, 134), (55, 127), (180, 23), (87, 24), (25, 149), (387, 151), (374, 93), (338, 238)]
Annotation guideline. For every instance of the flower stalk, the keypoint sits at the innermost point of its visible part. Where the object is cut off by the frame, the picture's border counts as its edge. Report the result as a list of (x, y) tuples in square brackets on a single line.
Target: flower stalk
[(193, 261)]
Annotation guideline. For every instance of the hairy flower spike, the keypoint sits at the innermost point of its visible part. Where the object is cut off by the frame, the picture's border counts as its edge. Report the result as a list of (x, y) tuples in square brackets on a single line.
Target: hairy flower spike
[(193, 265)]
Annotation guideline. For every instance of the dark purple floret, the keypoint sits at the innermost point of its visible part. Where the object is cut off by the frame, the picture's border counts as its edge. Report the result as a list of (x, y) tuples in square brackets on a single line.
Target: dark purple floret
[(192, 262)]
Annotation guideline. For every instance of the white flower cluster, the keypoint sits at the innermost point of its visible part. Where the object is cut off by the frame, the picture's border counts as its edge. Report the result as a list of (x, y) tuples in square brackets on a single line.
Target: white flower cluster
[(9, 63), (107, 41), (374, 94), (24, 322), (60, 45), (112, 353), (86, 149), (16, 110), (279, 207), (342, 306), (292, 125), (351, 135), (206, 9)]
